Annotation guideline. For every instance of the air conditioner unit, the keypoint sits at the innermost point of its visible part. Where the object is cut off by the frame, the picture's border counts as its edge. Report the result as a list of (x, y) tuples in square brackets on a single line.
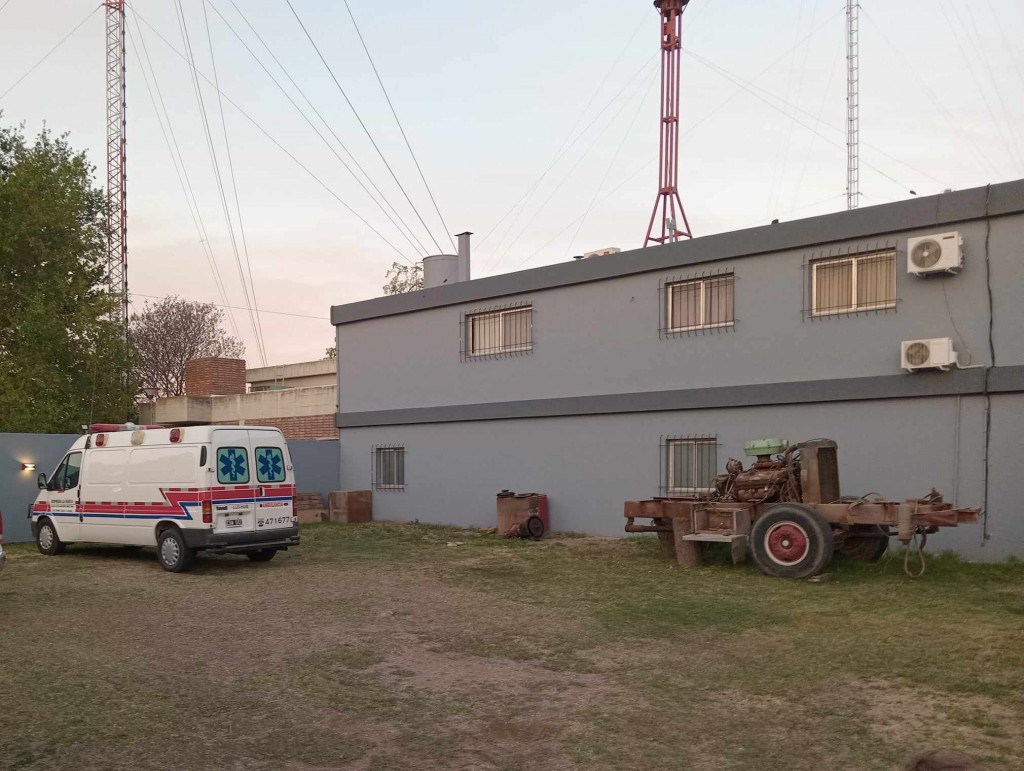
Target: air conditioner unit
[(936, 353), (942, 253), (602, 252)]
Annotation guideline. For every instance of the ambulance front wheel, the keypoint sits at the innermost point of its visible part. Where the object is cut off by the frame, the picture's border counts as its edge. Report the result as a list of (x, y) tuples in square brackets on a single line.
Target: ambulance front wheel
[(173, 554), (47, 540)]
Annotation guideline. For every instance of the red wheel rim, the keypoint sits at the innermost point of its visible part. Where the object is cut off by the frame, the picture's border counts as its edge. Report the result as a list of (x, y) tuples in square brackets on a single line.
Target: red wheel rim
[(787, 543)]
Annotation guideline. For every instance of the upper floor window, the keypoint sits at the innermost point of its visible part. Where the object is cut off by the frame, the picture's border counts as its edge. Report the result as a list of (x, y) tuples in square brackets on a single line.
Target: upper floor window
[(700, 303), (491, 333), (855, 283)]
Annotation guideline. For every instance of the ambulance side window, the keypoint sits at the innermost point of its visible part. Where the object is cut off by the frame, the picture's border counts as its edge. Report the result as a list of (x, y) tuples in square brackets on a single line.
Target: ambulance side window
[(67, 473)]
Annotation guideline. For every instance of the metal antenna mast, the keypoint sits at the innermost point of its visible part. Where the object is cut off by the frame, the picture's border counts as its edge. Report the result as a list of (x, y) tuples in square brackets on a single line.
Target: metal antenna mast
[(117, 200), (852, 104), (668, 200)]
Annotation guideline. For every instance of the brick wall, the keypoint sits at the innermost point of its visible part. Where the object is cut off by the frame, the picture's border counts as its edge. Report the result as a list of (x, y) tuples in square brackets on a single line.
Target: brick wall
[(214, 377), (309, 427)]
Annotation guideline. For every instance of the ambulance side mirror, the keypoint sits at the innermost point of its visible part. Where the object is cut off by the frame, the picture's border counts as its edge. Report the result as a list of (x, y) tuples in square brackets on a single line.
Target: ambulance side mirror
[(41, 481)]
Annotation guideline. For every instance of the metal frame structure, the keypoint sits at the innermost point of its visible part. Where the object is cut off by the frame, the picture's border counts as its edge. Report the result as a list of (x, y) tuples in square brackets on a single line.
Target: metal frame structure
[(852, 104), (668, 200), (117, 198)]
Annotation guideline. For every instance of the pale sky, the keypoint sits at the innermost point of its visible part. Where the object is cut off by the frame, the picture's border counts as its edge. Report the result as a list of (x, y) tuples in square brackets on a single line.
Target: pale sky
[(488, 94)]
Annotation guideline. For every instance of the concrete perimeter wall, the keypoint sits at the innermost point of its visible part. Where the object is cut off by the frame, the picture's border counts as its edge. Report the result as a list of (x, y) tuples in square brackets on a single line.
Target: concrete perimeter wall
[(316, 470), (590, 465)]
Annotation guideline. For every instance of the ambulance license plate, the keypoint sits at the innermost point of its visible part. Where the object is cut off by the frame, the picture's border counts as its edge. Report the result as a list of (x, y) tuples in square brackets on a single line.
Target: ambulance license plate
[(233, 522)]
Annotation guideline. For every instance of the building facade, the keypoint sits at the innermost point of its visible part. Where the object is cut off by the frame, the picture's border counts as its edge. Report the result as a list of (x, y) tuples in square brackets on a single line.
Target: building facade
[(640, 373)]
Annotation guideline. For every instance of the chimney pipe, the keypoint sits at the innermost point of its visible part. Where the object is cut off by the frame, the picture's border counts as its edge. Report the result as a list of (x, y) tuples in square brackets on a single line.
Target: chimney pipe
[(464, 262)]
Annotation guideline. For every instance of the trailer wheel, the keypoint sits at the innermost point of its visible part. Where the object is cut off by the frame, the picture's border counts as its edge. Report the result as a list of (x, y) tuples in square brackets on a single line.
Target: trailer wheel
[(864, 548), (791, 541)]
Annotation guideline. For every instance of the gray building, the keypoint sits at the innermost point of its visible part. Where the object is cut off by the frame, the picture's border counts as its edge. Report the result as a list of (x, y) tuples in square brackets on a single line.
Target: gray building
[(635, 374)]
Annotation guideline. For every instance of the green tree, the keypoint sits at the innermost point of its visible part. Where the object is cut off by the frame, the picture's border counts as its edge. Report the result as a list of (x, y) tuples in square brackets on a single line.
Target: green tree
[(403, 278), (63, 356)]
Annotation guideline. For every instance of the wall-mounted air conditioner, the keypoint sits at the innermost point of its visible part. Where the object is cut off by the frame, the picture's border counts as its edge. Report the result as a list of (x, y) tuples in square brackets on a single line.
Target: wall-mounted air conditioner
[(942, 253), (936, 353)]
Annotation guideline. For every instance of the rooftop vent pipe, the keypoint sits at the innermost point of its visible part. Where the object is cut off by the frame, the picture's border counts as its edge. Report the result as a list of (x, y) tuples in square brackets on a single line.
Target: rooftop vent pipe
[(464, 263)]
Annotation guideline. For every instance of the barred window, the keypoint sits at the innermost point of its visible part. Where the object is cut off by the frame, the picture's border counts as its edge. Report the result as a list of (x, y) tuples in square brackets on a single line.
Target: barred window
[(497, 332), (389, 468), (690, 465), (703, 303), (863, 282)]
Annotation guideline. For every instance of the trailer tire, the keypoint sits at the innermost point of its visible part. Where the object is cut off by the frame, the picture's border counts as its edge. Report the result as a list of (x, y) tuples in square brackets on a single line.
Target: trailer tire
[(864, 547), (791, 541)]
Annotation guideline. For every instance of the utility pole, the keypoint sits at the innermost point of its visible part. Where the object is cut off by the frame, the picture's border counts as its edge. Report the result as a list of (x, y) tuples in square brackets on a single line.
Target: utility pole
[(117, 199), (674, 224), (852, 104)]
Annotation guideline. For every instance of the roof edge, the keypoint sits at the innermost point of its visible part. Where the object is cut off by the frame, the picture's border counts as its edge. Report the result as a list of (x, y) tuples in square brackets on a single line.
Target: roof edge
[(915, 213)]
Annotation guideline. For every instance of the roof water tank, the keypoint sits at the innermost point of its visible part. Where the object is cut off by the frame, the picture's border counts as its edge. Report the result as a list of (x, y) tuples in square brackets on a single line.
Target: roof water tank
[(440, 269)]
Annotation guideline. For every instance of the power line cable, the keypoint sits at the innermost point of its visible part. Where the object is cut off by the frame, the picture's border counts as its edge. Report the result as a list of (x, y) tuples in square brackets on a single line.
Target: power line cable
[(819, 119), (579, 119), (211, 146), (278, 144), (936, 100), (565, 179), (400, 127), (240, 308), (234, 188), (170, 139), (523, 201), (7, 3), (421, 249), (611, 163), (361, 123), (48, 53)]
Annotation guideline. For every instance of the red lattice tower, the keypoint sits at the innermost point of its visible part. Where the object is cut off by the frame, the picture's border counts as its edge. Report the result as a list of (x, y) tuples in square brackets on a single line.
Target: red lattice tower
[(668, 201), (117, 192)]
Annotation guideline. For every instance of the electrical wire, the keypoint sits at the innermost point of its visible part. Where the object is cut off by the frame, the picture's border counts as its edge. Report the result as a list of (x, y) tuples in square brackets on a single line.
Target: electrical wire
[(6, 3), (218, 178), (234, 187), (171, 140), (50, 52), (936, 99), (240, 308), (400, 127), (361, 123), (498, 254), (421, 249), (277, 144), (819, 119), (579, 119)]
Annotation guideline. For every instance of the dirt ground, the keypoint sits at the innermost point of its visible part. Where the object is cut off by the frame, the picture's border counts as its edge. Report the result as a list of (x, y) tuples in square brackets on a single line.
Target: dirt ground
[(409, 647)]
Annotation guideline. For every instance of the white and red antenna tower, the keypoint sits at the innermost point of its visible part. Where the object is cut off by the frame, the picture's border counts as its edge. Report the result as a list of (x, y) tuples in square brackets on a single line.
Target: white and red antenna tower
[(117, 199), (852, 104), (674, 224)]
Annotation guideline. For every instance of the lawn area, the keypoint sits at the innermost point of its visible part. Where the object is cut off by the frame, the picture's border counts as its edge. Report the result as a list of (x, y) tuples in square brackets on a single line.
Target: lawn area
[(387, 647)]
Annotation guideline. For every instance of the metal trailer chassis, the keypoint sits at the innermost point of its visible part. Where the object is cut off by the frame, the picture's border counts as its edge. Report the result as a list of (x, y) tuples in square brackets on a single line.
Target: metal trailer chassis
[(792, 534)]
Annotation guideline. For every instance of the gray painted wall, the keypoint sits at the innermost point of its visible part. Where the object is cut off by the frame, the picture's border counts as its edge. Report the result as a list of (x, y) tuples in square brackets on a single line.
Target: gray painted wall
[(590, 465), (316, 465), (602, 337), (18, 488), (316, 470)]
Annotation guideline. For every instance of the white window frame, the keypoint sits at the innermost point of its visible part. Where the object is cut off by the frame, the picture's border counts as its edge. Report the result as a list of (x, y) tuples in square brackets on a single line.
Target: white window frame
[(672, 487), (703, 282), (854, 260), (501, 348)]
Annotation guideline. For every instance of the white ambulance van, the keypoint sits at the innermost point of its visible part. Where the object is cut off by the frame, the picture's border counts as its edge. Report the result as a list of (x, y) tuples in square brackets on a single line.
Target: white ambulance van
[(222, 489)]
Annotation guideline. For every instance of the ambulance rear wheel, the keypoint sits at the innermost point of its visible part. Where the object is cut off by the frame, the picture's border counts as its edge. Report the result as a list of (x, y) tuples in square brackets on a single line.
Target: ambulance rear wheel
[(47, 540), (263, 555), (172, 552)]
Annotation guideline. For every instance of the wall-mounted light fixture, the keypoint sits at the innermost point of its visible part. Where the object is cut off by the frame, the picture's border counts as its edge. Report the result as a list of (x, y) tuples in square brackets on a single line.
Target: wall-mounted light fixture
[(28, 466)]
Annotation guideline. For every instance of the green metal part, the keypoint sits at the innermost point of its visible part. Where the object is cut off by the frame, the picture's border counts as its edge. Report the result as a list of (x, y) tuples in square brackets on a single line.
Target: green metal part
[(760, 447)]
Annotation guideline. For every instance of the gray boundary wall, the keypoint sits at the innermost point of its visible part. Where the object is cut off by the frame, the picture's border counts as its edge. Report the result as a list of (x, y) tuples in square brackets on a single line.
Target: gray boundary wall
[(18, 488), (316, 470)]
